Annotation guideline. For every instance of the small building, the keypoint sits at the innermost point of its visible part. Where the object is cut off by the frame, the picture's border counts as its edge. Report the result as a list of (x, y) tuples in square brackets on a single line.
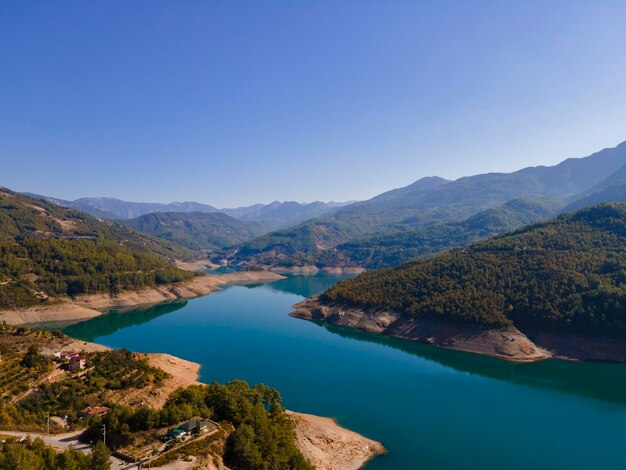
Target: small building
[(67, 354), (76, 363), (94, 411), (194, 426), (41, 295)]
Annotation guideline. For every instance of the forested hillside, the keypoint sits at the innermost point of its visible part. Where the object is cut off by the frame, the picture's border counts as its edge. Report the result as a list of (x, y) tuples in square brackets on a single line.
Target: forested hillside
[(196, 230), (568, 273), (57, 251)]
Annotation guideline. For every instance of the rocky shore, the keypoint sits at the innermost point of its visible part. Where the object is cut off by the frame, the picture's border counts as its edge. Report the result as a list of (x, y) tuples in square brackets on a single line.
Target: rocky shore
[(504, 343)]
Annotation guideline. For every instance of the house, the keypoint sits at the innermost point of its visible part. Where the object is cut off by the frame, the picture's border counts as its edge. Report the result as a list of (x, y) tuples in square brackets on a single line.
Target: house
[(194, 426), (94, 411), (41, 295), (76, 363)]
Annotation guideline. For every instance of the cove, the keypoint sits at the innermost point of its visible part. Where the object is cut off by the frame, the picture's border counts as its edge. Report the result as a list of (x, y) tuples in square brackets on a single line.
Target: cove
[(430, 407)]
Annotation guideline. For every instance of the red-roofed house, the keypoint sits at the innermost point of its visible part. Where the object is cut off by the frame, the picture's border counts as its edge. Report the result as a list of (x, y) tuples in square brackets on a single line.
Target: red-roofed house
[(76, 363)]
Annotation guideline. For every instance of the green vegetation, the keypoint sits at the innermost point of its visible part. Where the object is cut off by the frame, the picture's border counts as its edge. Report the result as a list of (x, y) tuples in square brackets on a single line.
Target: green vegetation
[(568, 273), (34, 360), (263, 437), (209, 446), (36, 455), (22, 363), (196, 230), (110, 370), (57, 251)]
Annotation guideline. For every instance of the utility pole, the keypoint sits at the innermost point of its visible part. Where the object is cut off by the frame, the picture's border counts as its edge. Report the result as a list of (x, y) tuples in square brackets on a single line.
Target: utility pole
[(104, 434)]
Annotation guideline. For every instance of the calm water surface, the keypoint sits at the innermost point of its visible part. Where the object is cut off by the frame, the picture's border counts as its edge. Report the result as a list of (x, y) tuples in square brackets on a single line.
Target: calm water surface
[(431, 408)]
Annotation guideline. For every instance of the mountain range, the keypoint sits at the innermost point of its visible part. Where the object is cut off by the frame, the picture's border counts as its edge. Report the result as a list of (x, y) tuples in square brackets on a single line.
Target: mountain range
[(428, 216), (434, 205), (276, 214)]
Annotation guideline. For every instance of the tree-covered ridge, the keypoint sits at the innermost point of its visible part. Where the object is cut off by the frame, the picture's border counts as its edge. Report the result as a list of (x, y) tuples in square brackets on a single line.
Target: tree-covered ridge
[(568, 273), (196, 230), (26, 217), (57, 251)]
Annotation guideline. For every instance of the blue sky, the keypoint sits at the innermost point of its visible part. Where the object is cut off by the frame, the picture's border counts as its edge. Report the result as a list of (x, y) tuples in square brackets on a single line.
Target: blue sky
[(232, 103)]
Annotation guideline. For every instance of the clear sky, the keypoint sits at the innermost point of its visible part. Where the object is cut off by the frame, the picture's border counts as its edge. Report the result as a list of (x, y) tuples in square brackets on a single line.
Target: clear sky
[(231, 103)]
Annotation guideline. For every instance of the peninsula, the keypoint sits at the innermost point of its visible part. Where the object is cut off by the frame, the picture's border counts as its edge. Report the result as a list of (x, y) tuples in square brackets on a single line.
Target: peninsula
[(553, 289)]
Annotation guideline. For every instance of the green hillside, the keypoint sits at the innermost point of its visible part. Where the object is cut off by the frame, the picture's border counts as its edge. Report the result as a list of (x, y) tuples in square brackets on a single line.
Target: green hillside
[(58, 251), (568, 273), (397, 244), (196, 230)]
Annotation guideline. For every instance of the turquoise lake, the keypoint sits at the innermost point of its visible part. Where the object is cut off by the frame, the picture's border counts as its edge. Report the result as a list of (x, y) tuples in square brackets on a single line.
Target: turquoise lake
[(430, 407)]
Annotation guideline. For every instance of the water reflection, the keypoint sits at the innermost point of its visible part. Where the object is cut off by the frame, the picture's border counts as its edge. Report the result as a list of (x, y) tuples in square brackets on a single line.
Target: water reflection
[(306, 286), (118, 318), (603, 381)]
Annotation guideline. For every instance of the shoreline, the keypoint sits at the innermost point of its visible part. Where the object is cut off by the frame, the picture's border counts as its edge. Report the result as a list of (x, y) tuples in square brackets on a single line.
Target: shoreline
[(508, 344), (89, 306), (326, 444), (310, 270)]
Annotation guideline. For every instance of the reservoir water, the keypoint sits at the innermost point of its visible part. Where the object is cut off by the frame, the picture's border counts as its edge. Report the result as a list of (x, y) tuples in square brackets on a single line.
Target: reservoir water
[(431, 408)]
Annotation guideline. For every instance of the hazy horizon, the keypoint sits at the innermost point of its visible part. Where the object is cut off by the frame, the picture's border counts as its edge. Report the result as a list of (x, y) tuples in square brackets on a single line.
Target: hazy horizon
[(236, 104)]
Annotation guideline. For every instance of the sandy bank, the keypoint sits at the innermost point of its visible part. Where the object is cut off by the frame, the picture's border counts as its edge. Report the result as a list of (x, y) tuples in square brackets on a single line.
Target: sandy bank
[(328, 446), (504, 343), (54, 312), (86, 306), (198, 286)]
